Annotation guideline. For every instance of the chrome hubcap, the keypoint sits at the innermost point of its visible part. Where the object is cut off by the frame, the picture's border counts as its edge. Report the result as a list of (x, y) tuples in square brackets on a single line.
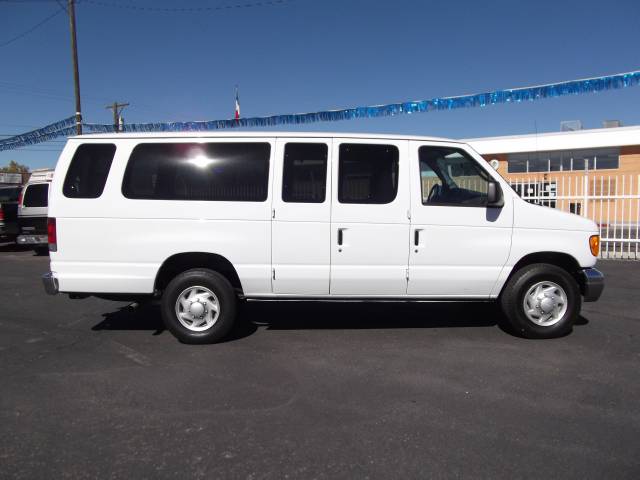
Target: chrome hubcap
[(545, 303), (197, 308)]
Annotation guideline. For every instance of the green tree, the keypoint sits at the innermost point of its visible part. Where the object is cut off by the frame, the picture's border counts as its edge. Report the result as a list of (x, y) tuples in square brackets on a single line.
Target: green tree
[(14, 167)]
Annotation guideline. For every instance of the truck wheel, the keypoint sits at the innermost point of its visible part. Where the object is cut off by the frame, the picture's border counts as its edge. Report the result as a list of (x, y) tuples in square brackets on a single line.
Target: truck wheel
[(199, 306), (541, 301)]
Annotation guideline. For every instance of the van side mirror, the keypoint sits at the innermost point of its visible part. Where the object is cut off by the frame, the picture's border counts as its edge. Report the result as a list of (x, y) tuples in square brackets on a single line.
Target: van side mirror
[(495, 199)]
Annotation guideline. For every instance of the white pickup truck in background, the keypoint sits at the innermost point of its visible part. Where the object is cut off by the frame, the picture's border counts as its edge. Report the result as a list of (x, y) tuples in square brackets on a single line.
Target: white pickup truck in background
[(33, 211)]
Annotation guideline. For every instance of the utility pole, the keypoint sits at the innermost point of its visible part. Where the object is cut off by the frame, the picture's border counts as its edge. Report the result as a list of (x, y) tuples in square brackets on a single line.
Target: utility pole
[(74, 55), (117, 110)]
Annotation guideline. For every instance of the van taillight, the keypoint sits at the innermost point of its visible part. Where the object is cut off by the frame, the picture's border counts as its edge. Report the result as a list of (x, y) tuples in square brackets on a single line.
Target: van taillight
[(52, 236), (20, 199), (1, 213)]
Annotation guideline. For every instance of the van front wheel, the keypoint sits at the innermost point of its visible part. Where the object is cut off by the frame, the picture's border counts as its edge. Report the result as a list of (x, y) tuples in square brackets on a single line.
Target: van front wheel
[(541, 301), (199, 306)]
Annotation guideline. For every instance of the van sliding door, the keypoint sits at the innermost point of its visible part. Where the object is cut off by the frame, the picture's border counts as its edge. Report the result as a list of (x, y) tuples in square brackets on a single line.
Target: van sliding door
[(369, 218)]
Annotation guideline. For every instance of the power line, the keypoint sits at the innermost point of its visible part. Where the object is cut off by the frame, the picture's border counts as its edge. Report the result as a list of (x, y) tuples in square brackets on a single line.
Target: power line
[(24, 89), (265, 3), (62, 6), (28, 31), (35, 150), (16, 125), (66, 98), (50, 96)]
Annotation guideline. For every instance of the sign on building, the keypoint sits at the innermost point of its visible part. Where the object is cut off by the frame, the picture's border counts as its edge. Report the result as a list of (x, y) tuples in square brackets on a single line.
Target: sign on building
[(15, 178)]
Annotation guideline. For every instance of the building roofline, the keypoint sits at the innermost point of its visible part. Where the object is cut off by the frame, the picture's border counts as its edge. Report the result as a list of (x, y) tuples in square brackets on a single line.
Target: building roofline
[(578, 139)]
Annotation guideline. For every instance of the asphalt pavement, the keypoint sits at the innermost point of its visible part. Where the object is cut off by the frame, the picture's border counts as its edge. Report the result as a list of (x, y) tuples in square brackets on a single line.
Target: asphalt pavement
[(97, 389)]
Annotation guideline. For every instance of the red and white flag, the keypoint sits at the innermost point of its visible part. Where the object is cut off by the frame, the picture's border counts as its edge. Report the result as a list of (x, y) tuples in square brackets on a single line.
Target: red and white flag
[(237, 105)]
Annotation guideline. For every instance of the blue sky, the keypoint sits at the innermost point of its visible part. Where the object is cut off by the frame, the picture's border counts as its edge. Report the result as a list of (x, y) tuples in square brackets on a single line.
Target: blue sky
[(308, 55)]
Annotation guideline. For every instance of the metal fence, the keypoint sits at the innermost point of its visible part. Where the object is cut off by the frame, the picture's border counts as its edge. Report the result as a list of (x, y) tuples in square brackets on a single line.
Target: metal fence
[(612, 201)]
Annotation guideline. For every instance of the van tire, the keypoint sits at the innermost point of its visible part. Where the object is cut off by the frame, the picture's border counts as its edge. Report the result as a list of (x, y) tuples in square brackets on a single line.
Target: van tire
[(524, 282), (223, 298)]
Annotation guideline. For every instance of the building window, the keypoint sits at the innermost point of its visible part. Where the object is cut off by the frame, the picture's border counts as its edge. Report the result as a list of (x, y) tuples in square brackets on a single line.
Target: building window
[(517, 162), (538, 162), (555, 161), (607, 159), (564, 160)]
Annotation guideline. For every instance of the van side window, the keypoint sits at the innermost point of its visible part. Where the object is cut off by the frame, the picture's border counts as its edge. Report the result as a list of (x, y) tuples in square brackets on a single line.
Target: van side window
[(304, 173), (448, 176), (367, 173), (231, 172), (88, 170), (36, 195)]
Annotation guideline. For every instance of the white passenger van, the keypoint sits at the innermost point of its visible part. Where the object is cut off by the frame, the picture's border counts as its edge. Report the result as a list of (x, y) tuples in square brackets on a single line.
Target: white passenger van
[(201, 220)]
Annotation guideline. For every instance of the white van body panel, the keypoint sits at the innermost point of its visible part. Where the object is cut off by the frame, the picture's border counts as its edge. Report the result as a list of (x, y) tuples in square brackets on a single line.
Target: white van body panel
[(542, 229), (113, 244)]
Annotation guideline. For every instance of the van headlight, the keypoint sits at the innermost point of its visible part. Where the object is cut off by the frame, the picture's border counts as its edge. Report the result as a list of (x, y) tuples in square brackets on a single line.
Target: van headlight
[(594, 244)]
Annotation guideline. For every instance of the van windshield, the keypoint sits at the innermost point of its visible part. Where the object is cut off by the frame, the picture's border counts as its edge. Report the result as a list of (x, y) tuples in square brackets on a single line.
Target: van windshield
[(36, 195)]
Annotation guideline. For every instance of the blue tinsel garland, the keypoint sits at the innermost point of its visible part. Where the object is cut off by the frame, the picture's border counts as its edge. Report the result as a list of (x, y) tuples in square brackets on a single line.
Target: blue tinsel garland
[(572, 87)]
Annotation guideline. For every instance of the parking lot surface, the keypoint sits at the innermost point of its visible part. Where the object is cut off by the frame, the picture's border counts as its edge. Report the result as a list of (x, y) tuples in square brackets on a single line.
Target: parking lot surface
[(91, 388)]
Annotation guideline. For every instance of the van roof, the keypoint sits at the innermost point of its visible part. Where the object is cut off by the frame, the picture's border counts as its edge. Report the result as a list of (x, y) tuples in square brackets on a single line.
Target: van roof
[(258, 134)]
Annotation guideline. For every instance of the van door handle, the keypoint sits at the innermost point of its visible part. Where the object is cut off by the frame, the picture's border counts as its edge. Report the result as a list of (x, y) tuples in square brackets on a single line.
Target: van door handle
[(340, 236), (416, 237)]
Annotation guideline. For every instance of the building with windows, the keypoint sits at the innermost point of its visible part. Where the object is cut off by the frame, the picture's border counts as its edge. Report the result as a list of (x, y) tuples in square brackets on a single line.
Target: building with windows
[(594, 173), (597, 151)]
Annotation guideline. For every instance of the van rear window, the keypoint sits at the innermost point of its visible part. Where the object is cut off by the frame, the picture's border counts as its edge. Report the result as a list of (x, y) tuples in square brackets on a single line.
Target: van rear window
[(36, 195), (88, 170), (198, 171), (9, 194)]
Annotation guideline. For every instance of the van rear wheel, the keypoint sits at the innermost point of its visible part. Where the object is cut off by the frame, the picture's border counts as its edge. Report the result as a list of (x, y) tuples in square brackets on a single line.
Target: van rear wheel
[(199, 306), (541, 301)]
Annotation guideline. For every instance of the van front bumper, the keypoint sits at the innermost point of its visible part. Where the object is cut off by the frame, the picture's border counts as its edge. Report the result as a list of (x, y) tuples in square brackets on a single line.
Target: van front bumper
[(591, 284), (50, 283)]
